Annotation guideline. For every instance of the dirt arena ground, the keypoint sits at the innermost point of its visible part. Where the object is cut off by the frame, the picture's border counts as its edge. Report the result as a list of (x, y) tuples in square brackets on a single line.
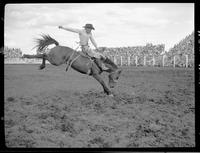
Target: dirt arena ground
[(152, 107)]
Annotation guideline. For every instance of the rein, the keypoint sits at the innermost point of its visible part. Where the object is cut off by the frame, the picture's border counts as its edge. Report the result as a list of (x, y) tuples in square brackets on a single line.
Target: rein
[(70, 58), (74, 59)]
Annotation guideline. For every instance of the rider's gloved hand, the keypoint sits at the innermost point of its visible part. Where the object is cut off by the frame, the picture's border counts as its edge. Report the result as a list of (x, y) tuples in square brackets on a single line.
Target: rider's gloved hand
[(97, 50)]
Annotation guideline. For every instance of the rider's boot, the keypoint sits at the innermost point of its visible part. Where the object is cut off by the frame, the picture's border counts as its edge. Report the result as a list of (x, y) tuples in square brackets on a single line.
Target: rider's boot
[(100, 64)]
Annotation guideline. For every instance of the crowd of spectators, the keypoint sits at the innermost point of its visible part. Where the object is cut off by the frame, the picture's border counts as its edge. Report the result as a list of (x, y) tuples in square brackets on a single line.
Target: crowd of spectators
[(182, 49), (12, 52), (152, 54), (149, 50)]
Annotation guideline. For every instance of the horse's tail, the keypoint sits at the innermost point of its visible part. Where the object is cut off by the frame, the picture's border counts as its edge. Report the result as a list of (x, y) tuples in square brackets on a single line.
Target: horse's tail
[(44, 42)]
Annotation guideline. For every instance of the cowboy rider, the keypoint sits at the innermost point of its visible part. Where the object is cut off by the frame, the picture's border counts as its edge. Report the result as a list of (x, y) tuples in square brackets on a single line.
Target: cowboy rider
[(85, 35)]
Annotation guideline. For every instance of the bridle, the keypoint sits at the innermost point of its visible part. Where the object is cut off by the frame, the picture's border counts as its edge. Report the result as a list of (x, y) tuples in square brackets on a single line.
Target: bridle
[(114, 80)]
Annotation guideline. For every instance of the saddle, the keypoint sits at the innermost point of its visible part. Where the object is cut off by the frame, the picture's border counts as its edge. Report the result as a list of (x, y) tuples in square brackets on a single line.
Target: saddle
[(86, 55), (97, 61)]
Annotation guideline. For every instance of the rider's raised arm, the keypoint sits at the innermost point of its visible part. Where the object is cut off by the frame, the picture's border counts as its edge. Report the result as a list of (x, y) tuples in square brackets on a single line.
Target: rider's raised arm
[(70, 29), (93, 41)]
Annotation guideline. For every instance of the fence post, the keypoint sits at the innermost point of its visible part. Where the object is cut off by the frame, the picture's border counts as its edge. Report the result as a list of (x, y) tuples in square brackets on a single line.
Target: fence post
[(186, 56), (154, 61), (174, 61), (121, 60), (114, 60), (144, 60), (163, 60), (128, 60), (136, 60)]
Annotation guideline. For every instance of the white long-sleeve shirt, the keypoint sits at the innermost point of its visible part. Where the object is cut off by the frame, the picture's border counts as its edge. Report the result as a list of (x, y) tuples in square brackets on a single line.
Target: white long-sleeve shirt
[(83, 36)]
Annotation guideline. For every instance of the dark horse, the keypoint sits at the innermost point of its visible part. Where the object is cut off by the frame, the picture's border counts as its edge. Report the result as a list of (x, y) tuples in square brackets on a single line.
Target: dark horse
[(79, 62)]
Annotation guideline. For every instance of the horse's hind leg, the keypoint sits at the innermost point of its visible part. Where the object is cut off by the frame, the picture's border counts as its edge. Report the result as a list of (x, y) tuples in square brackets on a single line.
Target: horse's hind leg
[(43, 56), (42, 66), (32, 56)]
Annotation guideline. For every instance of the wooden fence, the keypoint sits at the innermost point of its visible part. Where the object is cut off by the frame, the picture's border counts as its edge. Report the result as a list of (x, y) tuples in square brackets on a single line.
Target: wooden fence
[(162, 60), (21, 61)]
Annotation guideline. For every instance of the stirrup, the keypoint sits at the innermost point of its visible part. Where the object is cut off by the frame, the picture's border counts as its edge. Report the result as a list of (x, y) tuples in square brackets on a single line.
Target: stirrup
[(68, 64)]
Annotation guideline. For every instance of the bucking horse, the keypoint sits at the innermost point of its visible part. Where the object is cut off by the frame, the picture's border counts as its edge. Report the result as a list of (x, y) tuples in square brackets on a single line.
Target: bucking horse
[(59, 55)]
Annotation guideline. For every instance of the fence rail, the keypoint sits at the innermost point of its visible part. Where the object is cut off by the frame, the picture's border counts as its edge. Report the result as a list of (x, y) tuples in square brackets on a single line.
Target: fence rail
[(21, 61)]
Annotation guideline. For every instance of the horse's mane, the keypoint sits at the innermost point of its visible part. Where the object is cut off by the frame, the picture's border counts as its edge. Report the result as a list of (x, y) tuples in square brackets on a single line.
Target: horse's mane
[(42, 43)]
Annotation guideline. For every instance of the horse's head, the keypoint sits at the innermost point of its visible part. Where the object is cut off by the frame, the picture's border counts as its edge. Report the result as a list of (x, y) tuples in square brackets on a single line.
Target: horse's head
[(113, 77)]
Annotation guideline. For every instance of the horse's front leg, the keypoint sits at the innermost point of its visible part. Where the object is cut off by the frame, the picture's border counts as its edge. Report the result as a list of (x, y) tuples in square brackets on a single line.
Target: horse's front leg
[(100, 80)]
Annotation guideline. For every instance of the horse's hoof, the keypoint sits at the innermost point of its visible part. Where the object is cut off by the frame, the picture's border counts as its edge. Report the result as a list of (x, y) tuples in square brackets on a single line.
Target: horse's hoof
[(41, 67)]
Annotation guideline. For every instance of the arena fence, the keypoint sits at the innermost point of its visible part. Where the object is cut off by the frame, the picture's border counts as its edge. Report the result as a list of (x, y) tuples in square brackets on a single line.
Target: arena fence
[(22, 61), (162, 60), (131, 60)]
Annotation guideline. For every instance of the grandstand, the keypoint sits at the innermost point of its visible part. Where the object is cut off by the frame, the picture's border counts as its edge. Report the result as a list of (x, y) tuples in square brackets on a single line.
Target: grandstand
[(183, 51), (180, 55), (12, 56)]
